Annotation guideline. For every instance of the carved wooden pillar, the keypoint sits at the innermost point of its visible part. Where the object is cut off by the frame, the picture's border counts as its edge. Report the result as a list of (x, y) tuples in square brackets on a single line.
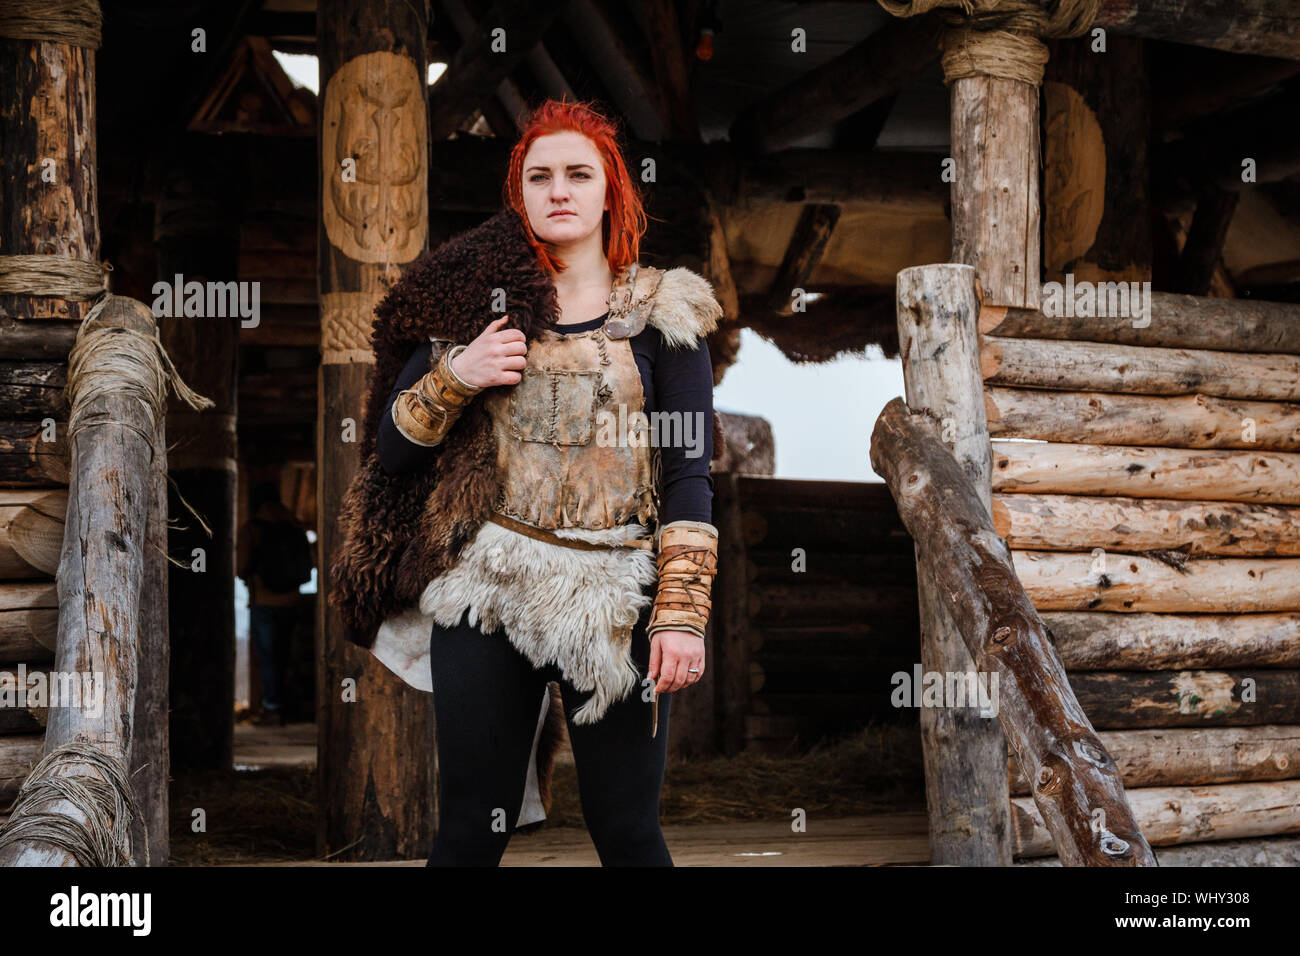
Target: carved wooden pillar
[(376, 756)]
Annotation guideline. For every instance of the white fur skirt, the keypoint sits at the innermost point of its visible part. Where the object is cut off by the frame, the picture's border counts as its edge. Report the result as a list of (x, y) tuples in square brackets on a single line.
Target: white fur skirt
[(575, 609)]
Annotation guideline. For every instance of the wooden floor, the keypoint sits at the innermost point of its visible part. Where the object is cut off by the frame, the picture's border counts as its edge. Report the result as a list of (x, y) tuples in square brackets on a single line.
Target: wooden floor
[(878, 840)]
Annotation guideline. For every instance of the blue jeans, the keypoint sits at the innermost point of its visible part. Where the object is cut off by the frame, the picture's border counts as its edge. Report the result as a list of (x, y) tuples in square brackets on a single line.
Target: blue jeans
[(269, 630)]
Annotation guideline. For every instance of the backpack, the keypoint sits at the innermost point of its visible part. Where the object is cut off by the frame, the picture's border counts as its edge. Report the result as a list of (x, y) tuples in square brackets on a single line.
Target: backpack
[(284, 559)]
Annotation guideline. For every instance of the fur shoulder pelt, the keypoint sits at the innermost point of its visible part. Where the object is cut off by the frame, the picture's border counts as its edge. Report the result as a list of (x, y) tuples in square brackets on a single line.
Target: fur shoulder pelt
[(685, 309)]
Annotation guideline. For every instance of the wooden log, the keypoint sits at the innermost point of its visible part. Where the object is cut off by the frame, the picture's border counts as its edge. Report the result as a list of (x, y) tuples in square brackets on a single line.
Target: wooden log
[(1097, 641), (938, 308), (47, 341), (1193, 528), (1092, 366), (33, 389), (196, 234), (28, 634), (1096, 122), (99, 585), (370, 775), (1186, 757), (1176, 322), (1262, 851), (1048, 727), (48, 174), (151, 745), (31, 532), (1173, 815), (803, 253), (1180, 421), (27, 459), (995, 207), (18, 755), (1127, 700), (1203, 251), (23, 713), (1270, 478), (1098, 581), (1261, 27)]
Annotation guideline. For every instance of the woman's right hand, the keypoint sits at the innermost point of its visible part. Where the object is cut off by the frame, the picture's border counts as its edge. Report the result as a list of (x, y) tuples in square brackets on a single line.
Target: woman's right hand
[(496, 357)]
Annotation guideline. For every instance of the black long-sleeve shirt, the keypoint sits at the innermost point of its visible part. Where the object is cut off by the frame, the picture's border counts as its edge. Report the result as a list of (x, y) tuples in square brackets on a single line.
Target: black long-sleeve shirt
[(673, 380)]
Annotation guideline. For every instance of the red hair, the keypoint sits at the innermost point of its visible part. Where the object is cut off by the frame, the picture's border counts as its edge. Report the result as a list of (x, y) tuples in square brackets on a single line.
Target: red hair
[(625, 220)]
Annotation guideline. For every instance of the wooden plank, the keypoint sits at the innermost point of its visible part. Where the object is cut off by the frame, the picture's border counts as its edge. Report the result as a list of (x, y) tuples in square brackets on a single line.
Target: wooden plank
[(1270, 478)]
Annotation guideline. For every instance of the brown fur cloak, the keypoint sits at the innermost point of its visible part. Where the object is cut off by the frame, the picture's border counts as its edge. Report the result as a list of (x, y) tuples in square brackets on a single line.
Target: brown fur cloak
[(401, 531)]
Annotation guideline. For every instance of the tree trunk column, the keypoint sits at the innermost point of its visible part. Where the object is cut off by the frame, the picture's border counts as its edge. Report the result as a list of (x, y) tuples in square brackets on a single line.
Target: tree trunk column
[(965, 754), (376, 755), (197, 237)]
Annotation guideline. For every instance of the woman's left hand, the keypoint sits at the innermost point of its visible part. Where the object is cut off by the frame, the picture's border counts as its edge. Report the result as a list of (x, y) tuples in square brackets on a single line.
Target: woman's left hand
[(672, 656)]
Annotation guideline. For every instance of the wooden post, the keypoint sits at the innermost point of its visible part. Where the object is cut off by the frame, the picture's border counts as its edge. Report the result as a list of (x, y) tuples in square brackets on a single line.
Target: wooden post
[(995, 214), (968, 574), (48, 176), (965, 755), (196, 235), (101, 579), (376, 753)]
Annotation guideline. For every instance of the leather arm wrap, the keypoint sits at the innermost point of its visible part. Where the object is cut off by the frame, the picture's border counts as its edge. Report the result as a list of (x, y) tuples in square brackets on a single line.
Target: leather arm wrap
[(688, 561), (424, 414)]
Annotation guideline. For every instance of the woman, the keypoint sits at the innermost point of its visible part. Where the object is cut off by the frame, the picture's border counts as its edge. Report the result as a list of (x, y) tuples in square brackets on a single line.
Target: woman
[(536, 481)]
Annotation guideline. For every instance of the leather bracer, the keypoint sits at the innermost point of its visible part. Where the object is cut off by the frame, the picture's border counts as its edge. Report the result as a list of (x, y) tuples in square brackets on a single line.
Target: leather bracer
[(688, 561), (424, 414)]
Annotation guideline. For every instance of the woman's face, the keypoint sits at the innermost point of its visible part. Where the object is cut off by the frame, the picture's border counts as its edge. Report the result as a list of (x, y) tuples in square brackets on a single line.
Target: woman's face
[(563, 174)]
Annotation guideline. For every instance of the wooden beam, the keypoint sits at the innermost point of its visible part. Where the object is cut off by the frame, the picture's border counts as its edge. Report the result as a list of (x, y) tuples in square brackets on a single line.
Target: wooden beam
[(1203, 251), (874, 69), (802, 254), (477, 69), (1046, 726), (1263, 27), (671, 68)]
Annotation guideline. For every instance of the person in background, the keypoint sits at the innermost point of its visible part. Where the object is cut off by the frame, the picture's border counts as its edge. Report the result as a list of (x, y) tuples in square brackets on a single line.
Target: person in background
[(274, 558)]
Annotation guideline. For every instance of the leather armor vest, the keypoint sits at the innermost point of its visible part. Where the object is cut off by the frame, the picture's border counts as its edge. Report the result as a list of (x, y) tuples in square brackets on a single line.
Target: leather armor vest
[(573, 440)]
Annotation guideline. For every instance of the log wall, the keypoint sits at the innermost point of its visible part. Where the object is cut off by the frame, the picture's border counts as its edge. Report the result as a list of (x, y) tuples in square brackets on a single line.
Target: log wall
[(1145, 476)]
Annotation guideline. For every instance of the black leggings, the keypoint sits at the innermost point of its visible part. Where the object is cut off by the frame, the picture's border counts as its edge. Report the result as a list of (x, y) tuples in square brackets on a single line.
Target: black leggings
[(486, 699)]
